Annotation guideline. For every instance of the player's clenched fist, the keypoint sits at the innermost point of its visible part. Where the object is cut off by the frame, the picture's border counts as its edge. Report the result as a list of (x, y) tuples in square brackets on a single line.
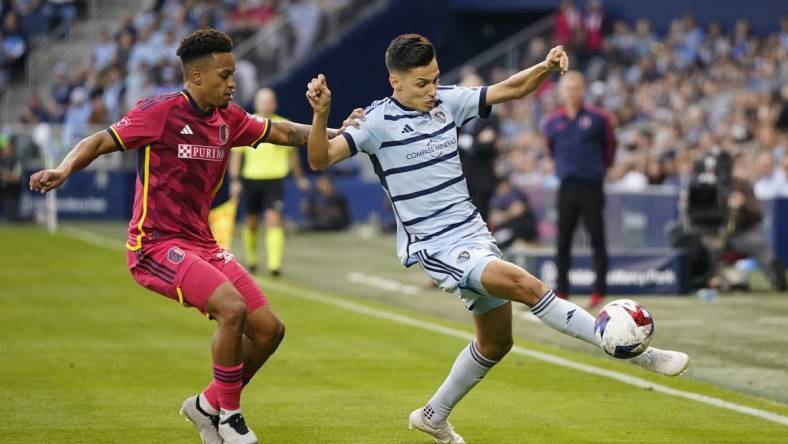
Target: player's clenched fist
[(318, 94), (46, 180), (557, 60)]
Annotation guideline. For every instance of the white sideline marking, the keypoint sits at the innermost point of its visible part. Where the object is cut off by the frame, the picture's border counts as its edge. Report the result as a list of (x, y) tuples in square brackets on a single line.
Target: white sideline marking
[(110, 243), (381, 283), (94, 239)]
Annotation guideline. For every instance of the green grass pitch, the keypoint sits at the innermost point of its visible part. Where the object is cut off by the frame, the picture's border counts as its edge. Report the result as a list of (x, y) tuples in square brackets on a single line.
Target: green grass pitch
[(88, 356)]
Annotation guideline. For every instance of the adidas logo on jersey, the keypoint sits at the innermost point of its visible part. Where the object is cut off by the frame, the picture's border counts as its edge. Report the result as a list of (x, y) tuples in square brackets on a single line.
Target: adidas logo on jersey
[(407, 129), (187, 130)]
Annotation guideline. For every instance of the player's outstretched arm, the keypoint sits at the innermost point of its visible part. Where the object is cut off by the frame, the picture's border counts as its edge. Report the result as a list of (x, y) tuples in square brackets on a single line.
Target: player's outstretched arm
[(526, 81), (297, 134), (322, 152), (85, 152)]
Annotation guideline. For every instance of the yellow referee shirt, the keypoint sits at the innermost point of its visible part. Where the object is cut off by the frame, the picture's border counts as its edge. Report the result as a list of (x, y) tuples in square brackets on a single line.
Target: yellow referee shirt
[(268, 161)]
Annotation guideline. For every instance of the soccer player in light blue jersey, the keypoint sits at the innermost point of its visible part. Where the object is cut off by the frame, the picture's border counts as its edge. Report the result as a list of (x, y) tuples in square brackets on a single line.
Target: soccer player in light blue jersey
[(411, 139)]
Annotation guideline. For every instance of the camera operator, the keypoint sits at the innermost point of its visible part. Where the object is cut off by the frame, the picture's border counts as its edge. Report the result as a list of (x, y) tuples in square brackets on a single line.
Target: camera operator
[(744, 236)]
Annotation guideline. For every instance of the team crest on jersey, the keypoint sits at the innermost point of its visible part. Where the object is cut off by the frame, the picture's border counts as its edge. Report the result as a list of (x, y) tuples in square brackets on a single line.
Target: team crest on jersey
[(224, 133), (123, 122), (438, 116), (175, 255), (463, 257), (584, 122)]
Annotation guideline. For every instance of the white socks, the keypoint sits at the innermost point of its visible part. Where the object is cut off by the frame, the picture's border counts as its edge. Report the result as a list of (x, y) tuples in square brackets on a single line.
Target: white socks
[(565, 317), (205, 405), (469, 368)]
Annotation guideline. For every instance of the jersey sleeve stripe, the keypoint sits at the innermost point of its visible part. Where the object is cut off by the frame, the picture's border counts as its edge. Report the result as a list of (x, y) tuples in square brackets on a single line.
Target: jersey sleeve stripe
[(351, 144), (145, 184), (265, 134), (116, 137), (484, 108)]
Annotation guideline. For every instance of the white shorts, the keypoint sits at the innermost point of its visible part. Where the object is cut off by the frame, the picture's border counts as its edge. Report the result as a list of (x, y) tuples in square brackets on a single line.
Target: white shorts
[(458, 268)]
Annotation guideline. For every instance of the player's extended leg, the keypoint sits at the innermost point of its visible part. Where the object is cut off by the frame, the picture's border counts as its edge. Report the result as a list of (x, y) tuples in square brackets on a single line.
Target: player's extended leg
[(274, 239), (493, 341), (250, 240), (228, 308), (508, 281), (264, 332)]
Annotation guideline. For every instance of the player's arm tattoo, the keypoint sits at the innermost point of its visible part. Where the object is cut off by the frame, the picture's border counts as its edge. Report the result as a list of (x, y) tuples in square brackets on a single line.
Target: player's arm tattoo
[(293, 134)]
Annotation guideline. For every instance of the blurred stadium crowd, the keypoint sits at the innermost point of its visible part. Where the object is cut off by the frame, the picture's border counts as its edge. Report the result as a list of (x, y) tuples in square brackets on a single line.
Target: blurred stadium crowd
[(24, 21), (136, 58), (672, 98)]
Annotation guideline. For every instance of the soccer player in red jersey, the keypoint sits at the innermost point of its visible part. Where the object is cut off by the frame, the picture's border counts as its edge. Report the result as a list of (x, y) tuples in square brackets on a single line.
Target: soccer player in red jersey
[(184, 141)]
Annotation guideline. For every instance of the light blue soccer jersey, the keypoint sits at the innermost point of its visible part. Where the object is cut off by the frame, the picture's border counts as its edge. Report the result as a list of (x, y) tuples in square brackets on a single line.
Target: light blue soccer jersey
[(415, 156)]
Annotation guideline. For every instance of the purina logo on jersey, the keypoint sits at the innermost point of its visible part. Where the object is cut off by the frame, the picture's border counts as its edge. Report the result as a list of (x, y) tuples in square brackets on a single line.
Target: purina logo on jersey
[(201, 152), (438, 116), (224, 133)]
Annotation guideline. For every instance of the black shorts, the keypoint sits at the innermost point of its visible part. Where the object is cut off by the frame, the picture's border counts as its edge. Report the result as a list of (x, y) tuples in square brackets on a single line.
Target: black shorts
[(262, 195)]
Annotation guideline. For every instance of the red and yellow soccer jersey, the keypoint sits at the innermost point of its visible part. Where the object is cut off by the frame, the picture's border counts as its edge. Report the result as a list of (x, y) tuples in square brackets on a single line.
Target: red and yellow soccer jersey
[(182, 159)]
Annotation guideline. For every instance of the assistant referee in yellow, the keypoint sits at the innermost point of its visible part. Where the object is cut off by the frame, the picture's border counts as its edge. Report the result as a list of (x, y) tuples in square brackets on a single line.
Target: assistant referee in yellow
[(260, 174)]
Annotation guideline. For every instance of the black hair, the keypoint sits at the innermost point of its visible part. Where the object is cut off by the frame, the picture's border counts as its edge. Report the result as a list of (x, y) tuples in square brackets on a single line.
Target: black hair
[(409, 51), (202, 43)]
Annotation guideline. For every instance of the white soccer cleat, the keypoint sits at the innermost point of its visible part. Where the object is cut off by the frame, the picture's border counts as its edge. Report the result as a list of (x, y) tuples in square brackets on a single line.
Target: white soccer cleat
[(666, 362), (205, 422), (443, 434), (233, 429)]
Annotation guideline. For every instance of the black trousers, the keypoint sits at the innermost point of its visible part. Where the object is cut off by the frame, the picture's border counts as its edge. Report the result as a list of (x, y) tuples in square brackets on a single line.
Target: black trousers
[(9, 201), (581, 199)]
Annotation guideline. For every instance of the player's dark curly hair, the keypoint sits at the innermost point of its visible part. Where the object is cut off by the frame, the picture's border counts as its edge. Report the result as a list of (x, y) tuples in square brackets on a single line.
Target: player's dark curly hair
[(409, 51), (202, 43)]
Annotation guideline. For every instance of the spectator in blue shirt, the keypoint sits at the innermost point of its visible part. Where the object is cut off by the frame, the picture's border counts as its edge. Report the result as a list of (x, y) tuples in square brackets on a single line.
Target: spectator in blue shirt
[(582, 142)]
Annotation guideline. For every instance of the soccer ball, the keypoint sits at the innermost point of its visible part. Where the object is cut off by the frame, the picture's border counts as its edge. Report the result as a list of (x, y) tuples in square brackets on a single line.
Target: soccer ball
[(624, 328)]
